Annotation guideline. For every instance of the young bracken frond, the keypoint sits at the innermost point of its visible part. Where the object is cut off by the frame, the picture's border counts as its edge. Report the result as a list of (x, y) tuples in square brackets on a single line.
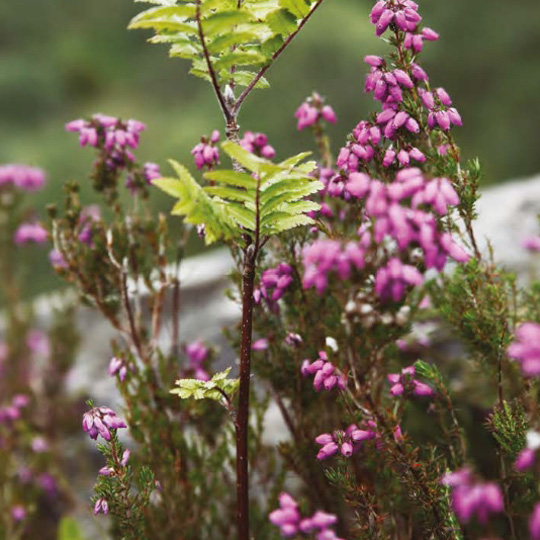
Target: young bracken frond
[(270, 200), (235, 34)]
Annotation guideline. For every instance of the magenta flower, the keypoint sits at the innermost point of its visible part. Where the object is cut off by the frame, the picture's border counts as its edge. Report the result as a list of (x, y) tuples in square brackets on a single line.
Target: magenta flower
[(117, 366), (534, 522), (274, 283), (405, 382), (30, 233), (151, 171), (327, 376), (22, 177), (526, 348), (287, 517), (101, 506), (197, 353), (257, 143), (312, 111), (326, 256), (260, 344), (471, 498), (392, 280), (206, 153), (347, 442), (99, 421), (57, 259)]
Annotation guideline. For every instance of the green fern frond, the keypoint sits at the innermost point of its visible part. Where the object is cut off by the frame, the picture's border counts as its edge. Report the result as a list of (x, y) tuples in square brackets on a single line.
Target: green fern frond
[(270, 200)]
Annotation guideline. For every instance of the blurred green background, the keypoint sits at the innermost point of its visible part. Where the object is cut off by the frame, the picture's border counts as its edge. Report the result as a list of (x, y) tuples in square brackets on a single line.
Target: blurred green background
[(63, 59)]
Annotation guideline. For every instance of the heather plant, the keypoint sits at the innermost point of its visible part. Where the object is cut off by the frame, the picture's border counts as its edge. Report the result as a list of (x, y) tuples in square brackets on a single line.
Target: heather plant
[(340, 261)]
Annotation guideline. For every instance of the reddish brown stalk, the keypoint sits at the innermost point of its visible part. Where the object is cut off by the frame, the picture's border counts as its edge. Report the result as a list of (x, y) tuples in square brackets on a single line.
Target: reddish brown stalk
[(242, 416)]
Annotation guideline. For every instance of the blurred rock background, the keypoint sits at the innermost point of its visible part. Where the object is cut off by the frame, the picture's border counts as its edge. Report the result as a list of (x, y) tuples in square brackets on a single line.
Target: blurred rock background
[(63, 59)]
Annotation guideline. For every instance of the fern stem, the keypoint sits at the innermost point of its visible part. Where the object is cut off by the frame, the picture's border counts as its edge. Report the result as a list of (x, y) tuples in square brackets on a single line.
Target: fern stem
[(275, 56), (242, 416)]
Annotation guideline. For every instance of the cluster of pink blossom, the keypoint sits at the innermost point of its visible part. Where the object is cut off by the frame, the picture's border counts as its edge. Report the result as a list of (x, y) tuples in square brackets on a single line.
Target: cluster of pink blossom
[(403, 13), (326, 256), (206, 152), (197, 353), (526, 348), (327, 376), (287, 517), (440, 111), (471, 498), (312, 111), (107, 131), (150, 172), (28, 233), (405, 382), (99, 421), (13, 411), (274, 282), (347, 442), (22, 177), (257, 143), (392, 280)]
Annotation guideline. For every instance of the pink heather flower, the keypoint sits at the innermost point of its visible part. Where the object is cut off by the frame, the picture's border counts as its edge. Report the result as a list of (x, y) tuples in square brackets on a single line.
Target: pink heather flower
[(206, 153), (392, 280), (312, 111), (346, 442), (404, 14), (99, 421), (287, 518), (22, 177), (526, 348), (531, 243), (20, 401), (47, 483), (326, 256), (197, 353), (18, 513), (326, 375), (471, 498), (30, 232), (405, 382), (117, 366), (151, 171), (101, 506), (358, 184), (257, 143), (274, 282), (534, 522), (260, 345), (125, 457)]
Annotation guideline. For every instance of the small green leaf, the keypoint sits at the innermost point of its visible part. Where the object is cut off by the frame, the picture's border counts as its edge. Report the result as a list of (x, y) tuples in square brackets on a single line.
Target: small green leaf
[(223, 22), (197, 389), (231, 193), (232, 178), (299, 8), (281, 22)]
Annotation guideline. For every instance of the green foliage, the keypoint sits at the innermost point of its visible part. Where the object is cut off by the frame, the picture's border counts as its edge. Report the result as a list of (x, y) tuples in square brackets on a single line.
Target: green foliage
[(509, 426), (216, 388), (224, 33), (477, 300), (267, 202)]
